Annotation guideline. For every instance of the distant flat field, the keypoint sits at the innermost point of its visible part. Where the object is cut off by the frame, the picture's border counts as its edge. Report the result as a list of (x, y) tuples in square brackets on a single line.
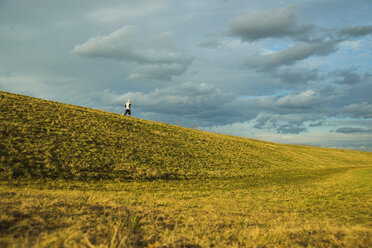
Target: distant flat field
[(320, 208)]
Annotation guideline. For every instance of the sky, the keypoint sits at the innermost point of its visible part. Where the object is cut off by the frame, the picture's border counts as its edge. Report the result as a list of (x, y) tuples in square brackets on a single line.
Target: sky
[(294, 72)]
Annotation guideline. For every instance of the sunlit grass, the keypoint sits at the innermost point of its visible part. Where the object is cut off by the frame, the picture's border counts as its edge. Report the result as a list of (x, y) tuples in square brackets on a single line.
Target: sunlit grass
[(43, 139), (77, 177), (330, 210)]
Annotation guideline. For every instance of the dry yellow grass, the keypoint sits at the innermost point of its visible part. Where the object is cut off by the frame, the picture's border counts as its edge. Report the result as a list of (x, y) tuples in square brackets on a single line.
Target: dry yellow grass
[(77, 177), (332, 210), (42, 139)]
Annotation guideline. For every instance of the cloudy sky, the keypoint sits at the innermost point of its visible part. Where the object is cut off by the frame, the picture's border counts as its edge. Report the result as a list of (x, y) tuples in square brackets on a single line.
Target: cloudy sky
[(296, 72)]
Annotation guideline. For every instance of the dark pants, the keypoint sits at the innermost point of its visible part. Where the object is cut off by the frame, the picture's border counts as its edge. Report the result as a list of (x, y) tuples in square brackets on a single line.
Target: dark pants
[(127, 111)]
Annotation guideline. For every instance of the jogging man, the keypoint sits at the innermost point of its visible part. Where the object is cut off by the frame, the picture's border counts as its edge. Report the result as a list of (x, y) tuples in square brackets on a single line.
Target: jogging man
[(128, 108)]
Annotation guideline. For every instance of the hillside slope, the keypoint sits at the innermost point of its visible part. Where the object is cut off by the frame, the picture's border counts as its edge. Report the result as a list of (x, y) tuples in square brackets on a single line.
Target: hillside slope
[(45, 139)]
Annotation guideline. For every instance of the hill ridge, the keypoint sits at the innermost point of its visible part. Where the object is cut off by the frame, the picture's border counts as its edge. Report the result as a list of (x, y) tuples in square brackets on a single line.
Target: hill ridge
[(47, 139)]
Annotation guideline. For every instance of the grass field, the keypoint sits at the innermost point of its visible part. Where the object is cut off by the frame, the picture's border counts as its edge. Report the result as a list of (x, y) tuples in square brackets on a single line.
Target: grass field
[(77, 177)]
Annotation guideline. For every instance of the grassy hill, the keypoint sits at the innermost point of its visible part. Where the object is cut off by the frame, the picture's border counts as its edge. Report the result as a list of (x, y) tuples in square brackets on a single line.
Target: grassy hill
[(77, 177), (45, 139)]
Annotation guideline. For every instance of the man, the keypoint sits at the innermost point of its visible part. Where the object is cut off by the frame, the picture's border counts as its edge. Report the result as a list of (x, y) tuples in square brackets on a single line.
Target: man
[(128, 108)]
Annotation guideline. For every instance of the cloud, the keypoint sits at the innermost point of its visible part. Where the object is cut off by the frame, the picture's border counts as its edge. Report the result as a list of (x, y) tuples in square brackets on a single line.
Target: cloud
[(305, 99), (319, 123), (274, 23), (290, 128), (212, 106), (189, 100), (152, 52), (210, 43), (209, 105), (282, 23), (159, 71), (353, 130), (53, 88), (356, 31), (285, 123), (287, 85), (363, 109), (296, 76), (353, 44), (126, 11), (128, 44), (349, 141), (264, 24), (355, 94), (346, 76), (293, 54)]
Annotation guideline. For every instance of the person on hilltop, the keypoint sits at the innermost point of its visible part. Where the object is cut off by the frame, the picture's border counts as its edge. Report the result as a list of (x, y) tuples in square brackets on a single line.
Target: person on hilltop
[(127, 108)]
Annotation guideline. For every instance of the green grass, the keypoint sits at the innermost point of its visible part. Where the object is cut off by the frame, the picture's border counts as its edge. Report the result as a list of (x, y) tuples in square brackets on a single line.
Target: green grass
[(78, 177)]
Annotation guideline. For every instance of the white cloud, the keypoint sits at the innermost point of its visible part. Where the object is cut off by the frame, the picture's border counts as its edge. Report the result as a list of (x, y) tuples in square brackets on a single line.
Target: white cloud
[(153, 52), (354, 45), (306, 99), (128, 44)]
